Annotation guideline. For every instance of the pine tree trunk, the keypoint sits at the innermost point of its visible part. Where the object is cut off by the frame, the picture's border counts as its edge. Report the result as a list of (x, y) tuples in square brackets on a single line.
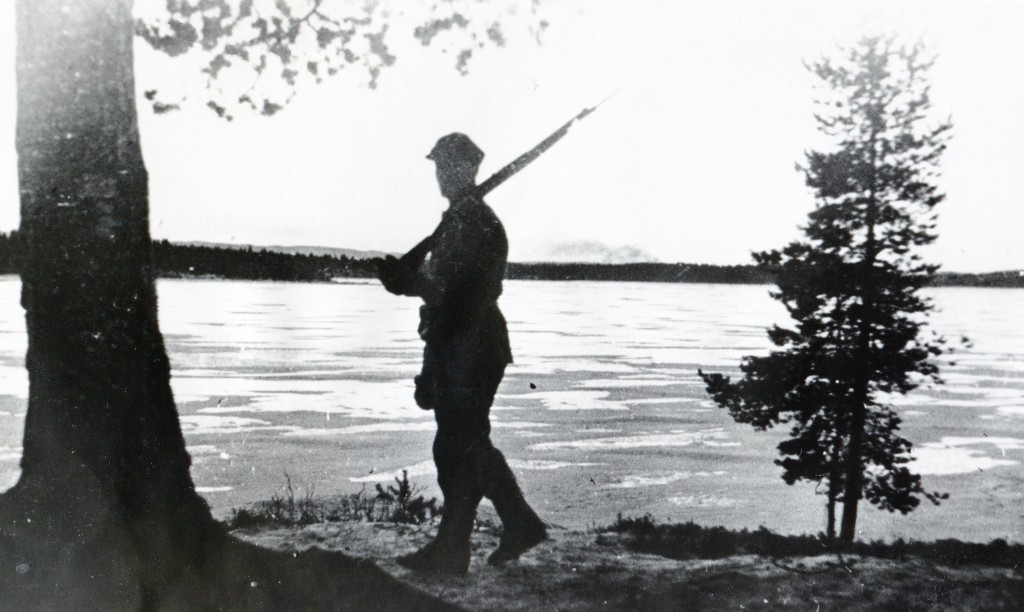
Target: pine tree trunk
[(854, 477), (830, 528), (104, 461), (834, 481), (854, 465), (830, 525), (858, 404), (854, 489)]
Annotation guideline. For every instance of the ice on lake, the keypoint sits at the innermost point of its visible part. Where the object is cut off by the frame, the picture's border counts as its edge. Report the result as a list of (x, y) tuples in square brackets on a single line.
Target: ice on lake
[(602, 412)]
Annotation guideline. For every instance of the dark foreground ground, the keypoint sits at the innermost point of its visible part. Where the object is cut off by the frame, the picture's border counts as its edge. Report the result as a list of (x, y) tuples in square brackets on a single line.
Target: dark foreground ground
[(577, 570)]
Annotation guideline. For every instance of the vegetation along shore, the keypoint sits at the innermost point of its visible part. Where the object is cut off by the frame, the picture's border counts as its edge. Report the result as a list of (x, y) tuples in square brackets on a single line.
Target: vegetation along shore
[(174, 260)]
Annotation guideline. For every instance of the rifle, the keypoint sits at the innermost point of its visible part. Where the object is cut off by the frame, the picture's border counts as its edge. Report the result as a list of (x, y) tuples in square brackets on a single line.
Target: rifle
[(420, 251)]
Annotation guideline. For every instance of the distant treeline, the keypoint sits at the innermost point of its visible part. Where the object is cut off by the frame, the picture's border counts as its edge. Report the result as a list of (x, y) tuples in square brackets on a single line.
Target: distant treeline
[(186, 261), (1011, 278), (182, 261), (639, 272)]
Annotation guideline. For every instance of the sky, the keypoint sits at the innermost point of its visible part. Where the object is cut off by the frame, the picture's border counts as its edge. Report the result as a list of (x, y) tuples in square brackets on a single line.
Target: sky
[(692, 160)]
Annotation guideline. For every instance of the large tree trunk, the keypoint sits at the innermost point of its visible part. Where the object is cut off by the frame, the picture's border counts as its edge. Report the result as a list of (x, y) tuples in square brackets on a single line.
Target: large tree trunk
[(104, 457)]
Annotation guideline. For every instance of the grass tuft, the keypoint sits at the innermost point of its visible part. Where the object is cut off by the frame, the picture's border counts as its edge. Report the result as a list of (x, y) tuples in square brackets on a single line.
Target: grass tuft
[(398, 503)]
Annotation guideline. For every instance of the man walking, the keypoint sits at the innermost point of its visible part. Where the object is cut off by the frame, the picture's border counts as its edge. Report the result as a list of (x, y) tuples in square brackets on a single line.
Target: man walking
[(464, 360)]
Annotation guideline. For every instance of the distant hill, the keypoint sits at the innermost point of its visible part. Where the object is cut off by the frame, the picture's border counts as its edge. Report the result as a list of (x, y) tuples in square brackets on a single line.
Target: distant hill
[(592, 251)]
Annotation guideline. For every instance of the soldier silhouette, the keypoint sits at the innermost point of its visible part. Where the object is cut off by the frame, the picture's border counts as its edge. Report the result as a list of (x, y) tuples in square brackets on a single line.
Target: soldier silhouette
[(464, 358)]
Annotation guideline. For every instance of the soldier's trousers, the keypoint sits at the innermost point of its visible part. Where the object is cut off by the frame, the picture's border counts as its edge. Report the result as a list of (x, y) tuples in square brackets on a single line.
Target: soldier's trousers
[(469, 467)]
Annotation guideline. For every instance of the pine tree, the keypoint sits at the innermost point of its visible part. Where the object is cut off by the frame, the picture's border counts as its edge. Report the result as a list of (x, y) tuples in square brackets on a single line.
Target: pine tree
[(852, 288)]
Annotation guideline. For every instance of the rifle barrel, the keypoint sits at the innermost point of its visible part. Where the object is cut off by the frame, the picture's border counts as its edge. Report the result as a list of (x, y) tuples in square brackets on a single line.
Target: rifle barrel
[(525, 159), (419, 251)]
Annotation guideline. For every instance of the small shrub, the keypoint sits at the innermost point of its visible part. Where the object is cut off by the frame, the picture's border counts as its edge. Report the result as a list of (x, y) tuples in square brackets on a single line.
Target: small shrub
[(399, 503), (640, 525), (243, 518)]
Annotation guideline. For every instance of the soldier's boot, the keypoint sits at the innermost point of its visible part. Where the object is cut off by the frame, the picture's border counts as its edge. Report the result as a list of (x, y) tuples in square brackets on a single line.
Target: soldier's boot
[(449, 553), (515, 542), (522, 528), (439, 557)]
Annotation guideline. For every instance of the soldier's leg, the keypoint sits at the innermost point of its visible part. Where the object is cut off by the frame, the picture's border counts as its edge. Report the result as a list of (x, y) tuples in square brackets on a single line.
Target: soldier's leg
[(522, 528), (457, 476)]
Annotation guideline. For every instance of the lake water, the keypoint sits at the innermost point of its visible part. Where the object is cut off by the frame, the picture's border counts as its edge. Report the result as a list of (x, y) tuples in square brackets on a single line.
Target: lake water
[(602, 412)]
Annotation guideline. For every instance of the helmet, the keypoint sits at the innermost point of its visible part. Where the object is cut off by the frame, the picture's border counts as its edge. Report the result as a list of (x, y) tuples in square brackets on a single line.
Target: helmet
[(456, 147)]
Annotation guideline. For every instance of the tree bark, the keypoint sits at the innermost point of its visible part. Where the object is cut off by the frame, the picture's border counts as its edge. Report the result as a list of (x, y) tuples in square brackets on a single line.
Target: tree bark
[(833, 495), (104, 461), (854, 475), (830, 521)]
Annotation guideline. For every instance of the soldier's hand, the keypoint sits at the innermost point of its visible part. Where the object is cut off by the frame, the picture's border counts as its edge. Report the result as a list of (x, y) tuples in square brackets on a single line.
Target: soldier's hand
[(396, 276), (386, 272)]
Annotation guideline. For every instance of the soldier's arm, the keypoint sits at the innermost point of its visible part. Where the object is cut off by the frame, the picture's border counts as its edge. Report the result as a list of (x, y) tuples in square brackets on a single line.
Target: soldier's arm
[(397, 277), (403, 275)]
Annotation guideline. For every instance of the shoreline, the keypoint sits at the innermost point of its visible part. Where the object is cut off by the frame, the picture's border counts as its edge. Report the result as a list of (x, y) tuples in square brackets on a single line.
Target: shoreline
[(583, 570), (343, 280)]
